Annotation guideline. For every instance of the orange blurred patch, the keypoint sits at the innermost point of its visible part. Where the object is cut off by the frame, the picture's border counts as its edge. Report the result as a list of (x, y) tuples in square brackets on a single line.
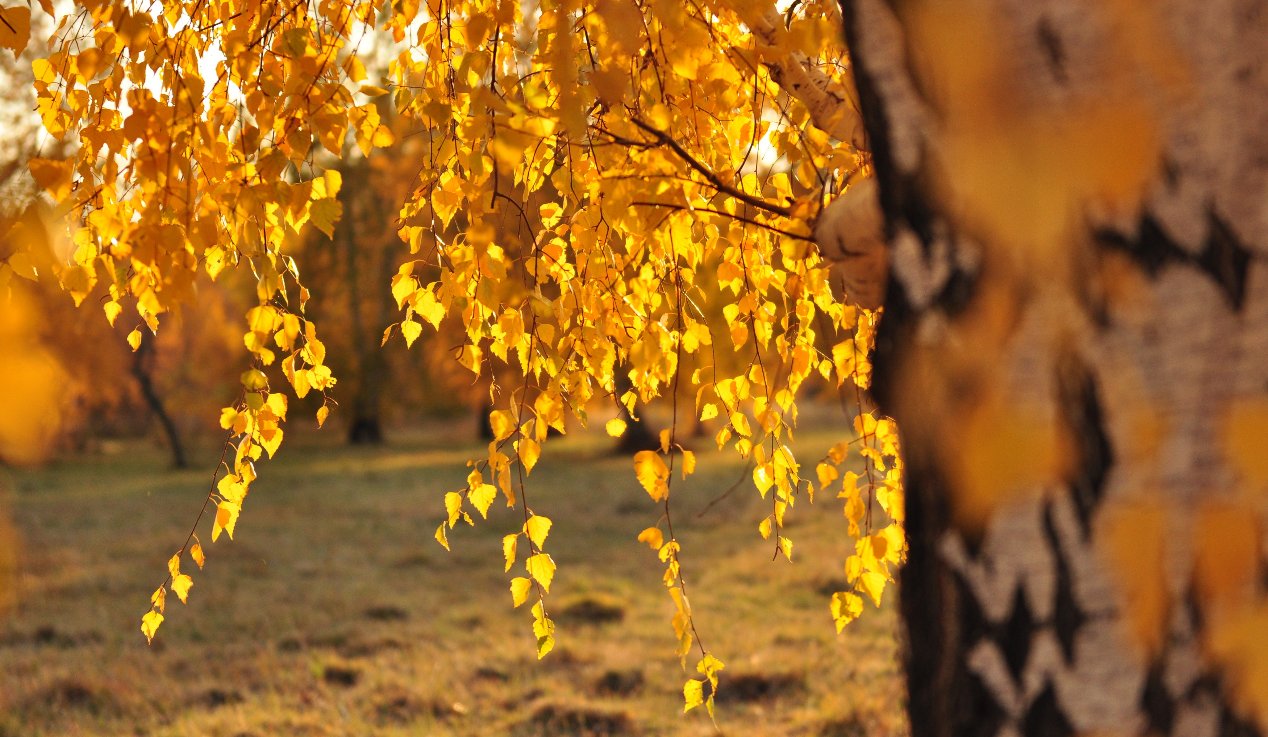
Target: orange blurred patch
[(31, 390), (1245, 427), (1018, 168), (1000, 450), (1237, 644), (1226, 556), (1132, 539)]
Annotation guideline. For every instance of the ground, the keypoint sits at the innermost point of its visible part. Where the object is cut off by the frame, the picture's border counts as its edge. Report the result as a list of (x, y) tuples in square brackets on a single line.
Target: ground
[(334, 612)]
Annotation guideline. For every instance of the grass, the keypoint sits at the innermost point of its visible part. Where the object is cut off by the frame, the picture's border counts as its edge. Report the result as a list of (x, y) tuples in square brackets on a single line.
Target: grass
[(335, 613)]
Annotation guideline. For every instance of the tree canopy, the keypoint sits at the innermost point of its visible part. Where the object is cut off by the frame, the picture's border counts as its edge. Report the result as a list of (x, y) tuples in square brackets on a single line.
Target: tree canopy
[(614, 200)]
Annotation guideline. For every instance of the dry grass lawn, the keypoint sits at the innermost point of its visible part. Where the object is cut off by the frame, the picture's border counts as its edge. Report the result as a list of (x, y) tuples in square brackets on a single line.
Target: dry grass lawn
[(335, 613)]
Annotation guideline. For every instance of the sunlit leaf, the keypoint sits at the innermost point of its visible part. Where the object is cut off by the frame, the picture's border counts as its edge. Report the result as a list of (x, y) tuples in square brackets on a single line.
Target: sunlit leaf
[(542, 569), (537, 527), (652, 473), (653, 537), (15, 28), (482, 498), (520, 587), (150, 623), (509, 545)]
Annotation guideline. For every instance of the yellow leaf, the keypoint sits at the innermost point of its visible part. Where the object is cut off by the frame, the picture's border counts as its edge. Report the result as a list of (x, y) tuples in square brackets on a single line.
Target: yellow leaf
[(271, 439), (15, 28), (520, 587), (827, 474), (112, 310), (322, 413), (411, 330), (196, 552), (709, 412), (372, 90), (542, 568), (652, 473), (615, 427), (324, 214), (453, 507), (53, 175), (482, 497), (692, 694), (688, 463), (537, 527), (872, 584), (709, 667), (846, 607), (254, 380), (786, 547), (764, 527), (544, 630), (150, 624), (529, 451), (653, 537), (441, 536), (545, 644), (226, 519), (509, 545), (181, 585), (403, 285), (502, 424), (762, 478), (134, 339)]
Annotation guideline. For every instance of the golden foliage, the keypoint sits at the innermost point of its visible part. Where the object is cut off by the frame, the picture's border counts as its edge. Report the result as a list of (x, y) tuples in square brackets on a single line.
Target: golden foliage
[(593, 208)]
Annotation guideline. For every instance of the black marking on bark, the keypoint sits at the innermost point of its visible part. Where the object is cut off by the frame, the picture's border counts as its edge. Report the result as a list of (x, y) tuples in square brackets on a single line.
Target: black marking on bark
[(1053, 49), (957, 294), (1150, 247), (1234, 725), (1015, 636), (980, 712), (1067, 616), (1083, 417), (1157, 703), (1214, 688), (1045, 718), (1223, 257), (1170, 173), (973, 624)]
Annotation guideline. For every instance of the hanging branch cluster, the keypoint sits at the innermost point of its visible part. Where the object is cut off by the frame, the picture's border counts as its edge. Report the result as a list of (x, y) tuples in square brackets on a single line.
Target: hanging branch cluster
[(616, 199)]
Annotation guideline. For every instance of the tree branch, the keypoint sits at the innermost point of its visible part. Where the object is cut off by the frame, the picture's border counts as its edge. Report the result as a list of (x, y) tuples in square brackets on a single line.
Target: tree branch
[(667, 140)]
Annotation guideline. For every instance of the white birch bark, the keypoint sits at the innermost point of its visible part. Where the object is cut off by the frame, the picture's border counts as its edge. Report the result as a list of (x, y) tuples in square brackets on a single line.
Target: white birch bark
[(1156, 306)]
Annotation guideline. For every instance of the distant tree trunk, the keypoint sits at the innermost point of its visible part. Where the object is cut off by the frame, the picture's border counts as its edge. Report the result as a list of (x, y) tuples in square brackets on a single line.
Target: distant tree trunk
[(366, 424), (638, 435), (142, 372), (1075, 201)]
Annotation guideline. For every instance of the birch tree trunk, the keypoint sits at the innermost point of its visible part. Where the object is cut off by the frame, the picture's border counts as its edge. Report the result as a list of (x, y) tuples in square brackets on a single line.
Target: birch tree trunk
[(1075, 347)]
